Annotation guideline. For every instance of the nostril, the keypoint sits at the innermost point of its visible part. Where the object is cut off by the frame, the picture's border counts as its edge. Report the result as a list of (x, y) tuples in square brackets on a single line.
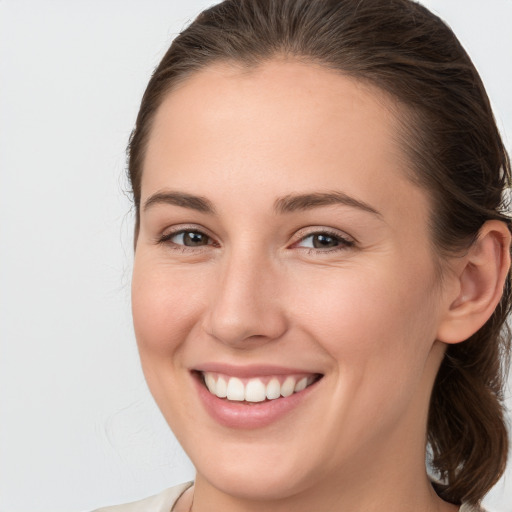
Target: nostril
[(240, 332)]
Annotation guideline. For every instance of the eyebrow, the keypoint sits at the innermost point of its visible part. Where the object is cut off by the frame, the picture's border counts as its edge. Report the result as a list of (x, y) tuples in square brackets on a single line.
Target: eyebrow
[(292, 203), (287, 204), (198, 203)]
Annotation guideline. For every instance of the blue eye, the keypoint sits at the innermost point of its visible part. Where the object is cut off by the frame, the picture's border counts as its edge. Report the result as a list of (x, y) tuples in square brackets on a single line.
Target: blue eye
[(189, 238)]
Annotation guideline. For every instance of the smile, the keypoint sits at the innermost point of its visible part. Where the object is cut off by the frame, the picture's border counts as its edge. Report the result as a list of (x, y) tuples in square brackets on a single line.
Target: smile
[(256, 389), (252, 397)]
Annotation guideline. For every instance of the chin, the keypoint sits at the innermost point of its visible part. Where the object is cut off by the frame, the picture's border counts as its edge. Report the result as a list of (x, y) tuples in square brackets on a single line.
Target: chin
[(256, 483), (249, 467)]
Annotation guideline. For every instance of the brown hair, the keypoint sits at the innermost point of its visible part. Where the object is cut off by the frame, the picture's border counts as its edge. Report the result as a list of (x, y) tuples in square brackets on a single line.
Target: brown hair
[(455, 149)]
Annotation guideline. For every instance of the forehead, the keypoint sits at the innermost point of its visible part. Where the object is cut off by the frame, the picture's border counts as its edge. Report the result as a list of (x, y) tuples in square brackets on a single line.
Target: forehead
[(297, 125)]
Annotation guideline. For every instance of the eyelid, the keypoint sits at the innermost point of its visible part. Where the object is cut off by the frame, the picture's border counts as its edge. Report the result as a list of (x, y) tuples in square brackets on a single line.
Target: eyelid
[(303, 233), (170, 232), (323, 230)]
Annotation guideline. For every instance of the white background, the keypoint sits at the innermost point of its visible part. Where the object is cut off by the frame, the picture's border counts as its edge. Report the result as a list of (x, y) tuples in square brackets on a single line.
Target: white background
[(78, 428)]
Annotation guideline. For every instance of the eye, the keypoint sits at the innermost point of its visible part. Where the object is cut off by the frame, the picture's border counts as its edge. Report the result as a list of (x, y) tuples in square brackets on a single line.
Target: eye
[(188, 238), (324, 240)]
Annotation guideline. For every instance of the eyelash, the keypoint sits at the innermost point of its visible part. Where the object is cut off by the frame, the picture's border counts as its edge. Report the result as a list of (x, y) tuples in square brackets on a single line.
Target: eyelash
[(344, 242), (166, 240)]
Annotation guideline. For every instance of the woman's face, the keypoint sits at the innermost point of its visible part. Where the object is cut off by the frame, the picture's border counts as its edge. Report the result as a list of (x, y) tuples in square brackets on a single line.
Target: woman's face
[(281, 245)]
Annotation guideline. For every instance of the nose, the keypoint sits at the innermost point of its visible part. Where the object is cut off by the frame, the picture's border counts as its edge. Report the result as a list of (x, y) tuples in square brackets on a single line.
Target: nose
[(245, 309)]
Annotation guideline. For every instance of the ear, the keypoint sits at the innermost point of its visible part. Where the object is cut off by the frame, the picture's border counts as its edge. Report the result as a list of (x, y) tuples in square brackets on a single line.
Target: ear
[(479, 281)]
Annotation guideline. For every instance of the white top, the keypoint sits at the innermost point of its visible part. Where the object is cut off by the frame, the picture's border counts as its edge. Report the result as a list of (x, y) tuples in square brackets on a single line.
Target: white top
[(162, 502), (165, 501)]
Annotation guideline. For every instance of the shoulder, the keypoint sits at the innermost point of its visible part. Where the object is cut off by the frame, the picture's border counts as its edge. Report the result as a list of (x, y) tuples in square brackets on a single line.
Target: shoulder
[(162, 502)]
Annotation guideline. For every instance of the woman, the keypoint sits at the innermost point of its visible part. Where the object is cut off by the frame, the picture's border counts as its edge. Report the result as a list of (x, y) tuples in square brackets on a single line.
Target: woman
[(321, 260)]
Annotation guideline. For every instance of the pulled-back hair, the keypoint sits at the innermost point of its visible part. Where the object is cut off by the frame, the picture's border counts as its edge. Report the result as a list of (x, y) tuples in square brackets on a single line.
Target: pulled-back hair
[(455, 153)]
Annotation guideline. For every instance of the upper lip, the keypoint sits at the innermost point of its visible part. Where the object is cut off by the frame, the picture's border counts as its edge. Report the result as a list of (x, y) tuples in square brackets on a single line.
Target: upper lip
[(248, 371)]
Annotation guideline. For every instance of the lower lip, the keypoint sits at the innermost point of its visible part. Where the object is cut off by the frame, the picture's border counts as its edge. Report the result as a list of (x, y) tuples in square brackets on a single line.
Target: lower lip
[(244, 415)]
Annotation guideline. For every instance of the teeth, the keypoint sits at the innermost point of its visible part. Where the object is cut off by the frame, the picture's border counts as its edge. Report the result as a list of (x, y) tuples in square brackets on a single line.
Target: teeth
[(236, 390), (273, 389), (209, 380), (254, 390), (221, 388), (302, 384), (288, 386)]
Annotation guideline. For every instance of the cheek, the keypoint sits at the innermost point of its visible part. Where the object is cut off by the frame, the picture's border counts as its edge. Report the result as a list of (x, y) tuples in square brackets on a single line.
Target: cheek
[(374, 325), (164, 308), (164, 312), (378, 332)]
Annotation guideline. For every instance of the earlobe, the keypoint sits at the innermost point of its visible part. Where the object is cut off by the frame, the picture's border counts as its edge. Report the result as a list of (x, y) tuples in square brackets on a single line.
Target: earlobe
[(481, 279)]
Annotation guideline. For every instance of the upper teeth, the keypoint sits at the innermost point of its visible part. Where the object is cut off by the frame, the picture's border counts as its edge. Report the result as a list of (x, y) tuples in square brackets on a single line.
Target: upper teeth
[(255, 389)]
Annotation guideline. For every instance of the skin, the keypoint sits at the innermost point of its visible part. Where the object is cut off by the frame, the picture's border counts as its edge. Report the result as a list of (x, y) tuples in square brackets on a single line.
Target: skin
[(365, 314)]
